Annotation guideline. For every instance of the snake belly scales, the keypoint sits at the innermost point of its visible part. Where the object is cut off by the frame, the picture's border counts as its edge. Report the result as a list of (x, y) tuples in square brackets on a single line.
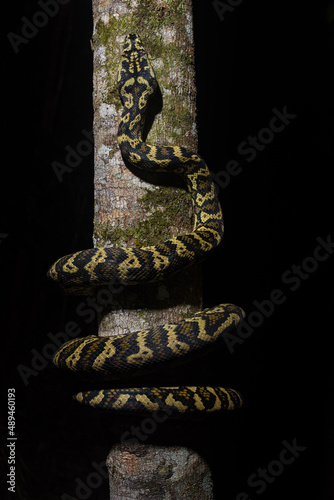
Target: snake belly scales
[(118, 356)]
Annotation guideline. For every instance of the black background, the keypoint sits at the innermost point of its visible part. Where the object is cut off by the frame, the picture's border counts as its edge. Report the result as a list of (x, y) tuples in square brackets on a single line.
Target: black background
[(263, 55)]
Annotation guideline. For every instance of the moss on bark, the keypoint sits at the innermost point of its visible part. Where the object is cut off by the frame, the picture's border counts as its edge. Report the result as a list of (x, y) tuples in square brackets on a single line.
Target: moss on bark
[(164, 213)]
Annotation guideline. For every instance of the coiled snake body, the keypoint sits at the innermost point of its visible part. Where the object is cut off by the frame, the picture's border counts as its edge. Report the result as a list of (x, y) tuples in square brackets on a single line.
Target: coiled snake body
[(76, 273)]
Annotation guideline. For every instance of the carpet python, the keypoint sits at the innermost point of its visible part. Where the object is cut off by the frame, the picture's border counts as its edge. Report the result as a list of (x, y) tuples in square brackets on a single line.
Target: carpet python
[(119, 356)]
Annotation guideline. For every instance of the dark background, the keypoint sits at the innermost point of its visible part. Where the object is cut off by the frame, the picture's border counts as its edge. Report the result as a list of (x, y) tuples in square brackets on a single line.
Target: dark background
[(263, 55)]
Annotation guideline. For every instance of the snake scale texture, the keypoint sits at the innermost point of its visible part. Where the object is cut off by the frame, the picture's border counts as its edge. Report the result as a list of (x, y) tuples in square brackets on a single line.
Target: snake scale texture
[(118, 356)]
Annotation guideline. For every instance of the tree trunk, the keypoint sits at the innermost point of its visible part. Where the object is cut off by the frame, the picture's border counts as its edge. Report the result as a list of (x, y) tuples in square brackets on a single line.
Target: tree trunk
[(158, 472), (130, 211)]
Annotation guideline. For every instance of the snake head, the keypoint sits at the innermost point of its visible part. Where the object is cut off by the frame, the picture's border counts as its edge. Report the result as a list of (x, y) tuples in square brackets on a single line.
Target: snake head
[(135, 72)]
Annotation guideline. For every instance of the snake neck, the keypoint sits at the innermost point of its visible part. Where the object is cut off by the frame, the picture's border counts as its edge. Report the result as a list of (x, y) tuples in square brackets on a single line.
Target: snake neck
[(129, 135), (137, 84)]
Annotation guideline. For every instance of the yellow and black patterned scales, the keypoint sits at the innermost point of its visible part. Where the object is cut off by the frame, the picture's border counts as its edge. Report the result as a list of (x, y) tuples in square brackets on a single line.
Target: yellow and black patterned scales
[(122, 355)]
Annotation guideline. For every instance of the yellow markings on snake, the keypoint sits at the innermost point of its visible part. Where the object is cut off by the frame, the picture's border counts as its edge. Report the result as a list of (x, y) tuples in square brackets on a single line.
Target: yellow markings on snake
[(75, 356), (97, 399), (79, 397), (177, 150), (133, 123), (230, 402), (132, 262), (99, 258), (218, 404), (134, 62), (69, 266), (108, 352), (144, 400), (121, 401), (133, 142), (203, 199), (203, 244), (134, 157), (129, 102), (182, 249), (170, 401), (160, 261), (173, 343), (143, 98), (144, 353), (199, 403), (205, 217), (125, 119)]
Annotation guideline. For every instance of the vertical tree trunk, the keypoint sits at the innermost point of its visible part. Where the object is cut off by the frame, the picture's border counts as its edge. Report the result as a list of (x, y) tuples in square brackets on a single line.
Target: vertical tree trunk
[(129, 211)]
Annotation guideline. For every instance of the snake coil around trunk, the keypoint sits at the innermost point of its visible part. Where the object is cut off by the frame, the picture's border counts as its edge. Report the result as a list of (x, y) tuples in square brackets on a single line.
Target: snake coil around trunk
[(119, 356)]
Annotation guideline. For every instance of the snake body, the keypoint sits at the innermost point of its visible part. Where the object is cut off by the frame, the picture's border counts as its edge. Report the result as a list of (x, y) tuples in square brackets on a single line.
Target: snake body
[(81, 271)]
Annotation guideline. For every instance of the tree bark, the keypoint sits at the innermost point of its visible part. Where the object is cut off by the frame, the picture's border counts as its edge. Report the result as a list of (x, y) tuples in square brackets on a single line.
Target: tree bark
[(158, 472), (133, 211)]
